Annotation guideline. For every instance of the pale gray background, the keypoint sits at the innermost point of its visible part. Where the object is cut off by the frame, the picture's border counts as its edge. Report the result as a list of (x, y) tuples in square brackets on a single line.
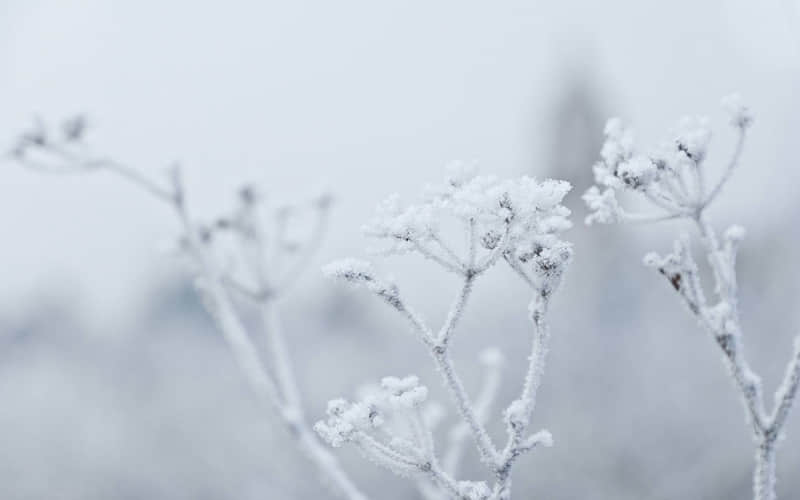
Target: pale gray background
[(112, 382)]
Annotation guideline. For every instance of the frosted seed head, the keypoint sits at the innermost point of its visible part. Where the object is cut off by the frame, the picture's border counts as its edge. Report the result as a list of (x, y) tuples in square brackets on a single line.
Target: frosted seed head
[(692, 136), (516, 413), (405, 393), (604, 206), (638, 172)]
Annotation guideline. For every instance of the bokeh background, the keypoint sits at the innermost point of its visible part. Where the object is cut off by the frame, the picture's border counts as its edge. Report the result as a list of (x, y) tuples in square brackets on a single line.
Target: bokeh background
[(114, 383)]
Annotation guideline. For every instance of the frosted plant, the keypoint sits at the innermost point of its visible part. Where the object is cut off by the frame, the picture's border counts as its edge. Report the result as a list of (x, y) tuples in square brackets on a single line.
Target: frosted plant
[(267, 262), (672, 178), (513, 221)]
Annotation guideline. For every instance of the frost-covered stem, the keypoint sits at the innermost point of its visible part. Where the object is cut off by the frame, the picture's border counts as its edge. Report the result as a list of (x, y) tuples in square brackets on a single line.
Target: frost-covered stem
[(214, 285), (246, 356), (732, 163), (447, 250), (444, 363), (785, 395), (518, 424), (280, 358), (764, 474), (332, 473), (456, 310), (453, 267), (729, 338), (483, 404), (541, 338)]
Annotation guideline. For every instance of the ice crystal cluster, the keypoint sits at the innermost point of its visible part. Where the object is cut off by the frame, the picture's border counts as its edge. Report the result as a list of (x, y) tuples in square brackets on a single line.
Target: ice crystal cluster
[(518, 222), (672, 178)]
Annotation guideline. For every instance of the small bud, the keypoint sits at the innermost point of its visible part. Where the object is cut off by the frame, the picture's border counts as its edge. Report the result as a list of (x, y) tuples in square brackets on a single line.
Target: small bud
[(740, 115), (735, 233), (652, 259), (74, 128), (247, 194)]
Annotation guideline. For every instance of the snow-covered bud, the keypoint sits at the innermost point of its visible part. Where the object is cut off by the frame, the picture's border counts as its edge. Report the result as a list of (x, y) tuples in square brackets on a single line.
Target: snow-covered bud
[(735, 233), (604, 206), (323, 200), (692, 136), (516, 415), (491, 239), (740, 115), (248, 194), (403, 228), (473, 490), (74, 128), (550, 262), (405, 393), (618, 145), (345, 419), (638, 172)]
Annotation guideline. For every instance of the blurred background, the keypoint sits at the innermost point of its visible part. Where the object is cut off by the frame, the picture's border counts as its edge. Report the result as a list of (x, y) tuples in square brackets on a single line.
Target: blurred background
[(113, 380)]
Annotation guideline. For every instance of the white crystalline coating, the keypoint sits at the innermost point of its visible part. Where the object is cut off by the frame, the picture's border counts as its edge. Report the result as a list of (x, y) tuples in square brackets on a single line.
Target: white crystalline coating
[(544, 438), (352, 270), (516, 413), (604, 206), (740, 115), (692, 134), (517, 222), (670, 176), (522, 207), (618, 145), (735, 233), (405, 393), (682, 190), (402, 226), (345, 419), (638, 171), (473, 490)]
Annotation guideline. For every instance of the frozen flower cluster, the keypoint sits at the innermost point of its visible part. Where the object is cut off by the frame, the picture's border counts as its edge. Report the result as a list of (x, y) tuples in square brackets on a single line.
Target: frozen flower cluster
[(516, 216), (671, 177), (517, 221), (375, 424), (346, 419)]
